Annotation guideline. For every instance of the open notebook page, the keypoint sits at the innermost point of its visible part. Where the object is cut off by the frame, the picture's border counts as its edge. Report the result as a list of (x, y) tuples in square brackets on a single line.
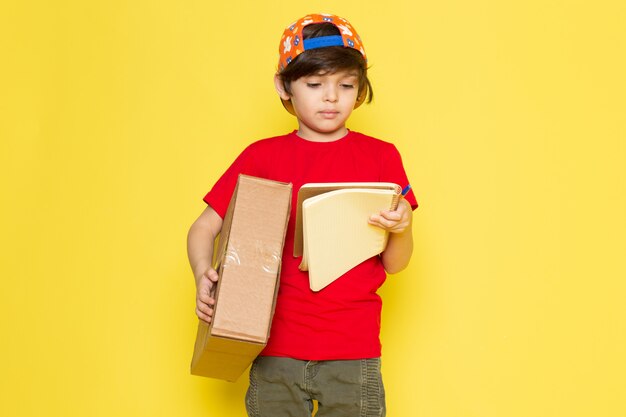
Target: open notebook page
[(336, 234)]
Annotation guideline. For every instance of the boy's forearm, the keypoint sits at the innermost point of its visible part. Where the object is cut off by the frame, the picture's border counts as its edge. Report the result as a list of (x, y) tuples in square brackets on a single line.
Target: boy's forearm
[(398, 252), (200, 239), (199, 250)]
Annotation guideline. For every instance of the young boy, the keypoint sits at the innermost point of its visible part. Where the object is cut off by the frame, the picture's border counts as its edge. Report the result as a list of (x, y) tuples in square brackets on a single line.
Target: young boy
[(323, 345)]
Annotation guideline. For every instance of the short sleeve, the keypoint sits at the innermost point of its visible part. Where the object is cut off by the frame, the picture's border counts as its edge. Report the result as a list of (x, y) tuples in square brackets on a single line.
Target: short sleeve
[(219, 196), (392, 170)]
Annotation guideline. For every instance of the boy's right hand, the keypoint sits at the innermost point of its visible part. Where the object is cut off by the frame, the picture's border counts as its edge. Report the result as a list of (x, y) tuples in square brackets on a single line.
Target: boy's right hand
[(204, 301)]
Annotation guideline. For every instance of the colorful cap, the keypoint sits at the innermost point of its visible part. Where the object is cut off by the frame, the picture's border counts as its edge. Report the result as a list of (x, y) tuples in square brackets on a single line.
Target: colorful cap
[(292, 43)]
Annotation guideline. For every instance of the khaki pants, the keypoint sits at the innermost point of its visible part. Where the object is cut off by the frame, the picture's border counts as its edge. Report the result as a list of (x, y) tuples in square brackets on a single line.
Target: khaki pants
[(283, 387)]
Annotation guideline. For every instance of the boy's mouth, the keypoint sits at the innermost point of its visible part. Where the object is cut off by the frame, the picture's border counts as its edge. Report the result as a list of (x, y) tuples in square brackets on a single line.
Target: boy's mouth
[(329, 113)]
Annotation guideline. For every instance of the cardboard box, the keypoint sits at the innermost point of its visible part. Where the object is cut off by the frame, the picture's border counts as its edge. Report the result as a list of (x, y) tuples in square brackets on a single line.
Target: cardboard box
[(248, 260)]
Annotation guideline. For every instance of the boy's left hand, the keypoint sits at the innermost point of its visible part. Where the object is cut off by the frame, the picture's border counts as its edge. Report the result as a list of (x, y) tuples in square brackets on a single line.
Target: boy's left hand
[(394, 221)]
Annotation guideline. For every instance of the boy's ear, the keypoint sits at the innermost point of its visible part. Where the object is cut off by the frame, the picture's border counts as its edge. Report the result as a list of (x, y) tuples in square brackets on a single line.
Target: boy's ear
[(280, 88)]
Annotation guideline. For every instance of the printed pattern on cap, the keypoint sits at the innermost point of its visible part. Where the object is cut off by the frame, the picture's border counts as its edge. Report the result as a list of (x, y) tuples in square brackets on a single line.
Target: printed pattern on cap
[(292, 44)]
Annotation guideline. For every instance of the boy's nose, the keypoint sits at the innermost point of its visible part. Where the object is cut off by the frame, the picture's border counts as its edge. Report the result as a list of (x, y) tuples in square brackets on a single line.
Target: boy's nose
[(330, 94)]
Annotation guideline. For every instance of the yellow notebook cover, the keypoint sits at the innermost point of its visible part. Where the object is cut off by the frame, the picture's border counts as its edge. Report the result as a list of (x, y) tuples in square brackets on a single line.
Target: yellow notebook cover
[(312, 189), (335, 232)]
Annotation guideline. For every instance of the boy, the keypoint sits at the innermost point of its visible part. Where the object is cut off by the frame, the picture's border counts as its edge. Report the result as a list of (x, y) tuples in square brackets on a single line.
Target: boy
[(323, 345)]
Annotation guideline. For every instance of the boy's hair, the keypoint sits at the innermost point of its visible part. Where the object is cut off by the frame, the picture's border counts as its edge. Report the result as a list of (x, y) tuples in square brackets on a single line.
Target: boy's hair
[(327, 60)]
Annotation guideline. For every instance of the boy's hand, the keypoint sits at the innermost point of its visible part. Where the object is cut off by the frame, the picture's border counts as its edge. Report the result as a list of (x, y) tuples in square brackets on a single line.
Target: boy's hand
[(204, 301), (394, 221)]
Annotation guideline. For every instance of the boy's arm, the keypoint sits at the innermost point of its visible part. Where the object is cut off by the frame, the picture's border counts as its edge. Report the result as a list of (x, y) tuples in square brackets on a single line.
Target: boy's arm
[(397, 254), (200, 238)]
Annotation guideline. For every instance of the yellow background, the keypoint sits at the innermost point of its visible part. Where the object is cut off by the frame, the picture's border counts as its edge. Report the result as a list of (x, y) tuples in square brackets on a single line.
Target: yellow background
[(117, 116)]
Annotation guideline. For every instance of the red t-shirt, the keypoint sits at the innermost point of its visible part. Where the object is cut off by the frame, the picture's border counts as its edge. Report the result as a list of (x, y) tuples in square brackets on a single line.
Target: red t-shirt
[(342, 321)]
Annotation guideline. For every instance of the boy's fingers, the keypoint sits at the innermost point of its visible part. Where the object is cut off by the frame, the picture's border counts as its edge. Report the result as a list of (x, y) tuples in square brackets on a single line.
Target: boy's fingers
[(391, 215), (213, 276), (207, 281), (381, 221), (202, 316), (205, 298), (393, 226), (204, 308), (386, 223), (204, 287)]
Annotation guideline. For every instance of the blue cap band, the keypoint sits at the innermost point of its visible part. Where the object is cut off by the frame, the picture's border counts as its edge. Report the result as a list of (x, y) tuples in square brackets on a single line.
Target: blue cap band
[(323, 42)]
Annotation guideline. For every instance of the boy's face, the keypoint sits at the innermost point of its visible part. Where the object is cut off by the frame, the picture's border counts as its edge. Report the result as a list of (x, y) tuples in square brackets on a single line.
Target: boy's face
[(323, 102)]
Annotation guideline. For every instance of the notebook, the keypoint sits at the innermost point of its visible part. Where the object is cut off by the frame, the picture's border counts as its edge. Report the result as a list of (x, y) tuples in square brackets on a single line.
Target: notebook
[(332, 230)]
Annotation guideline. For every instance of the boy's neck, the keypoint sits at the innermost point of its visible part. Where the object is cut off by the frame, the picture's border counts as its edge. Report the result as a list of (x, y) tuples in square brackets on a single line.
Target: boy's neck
[(314, 136)]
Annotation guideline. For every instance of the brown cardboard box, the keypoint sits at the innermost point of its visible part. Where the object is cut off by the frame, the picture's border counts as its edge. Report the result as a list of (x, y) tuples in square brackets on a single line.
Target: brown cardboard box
[(248, 261)]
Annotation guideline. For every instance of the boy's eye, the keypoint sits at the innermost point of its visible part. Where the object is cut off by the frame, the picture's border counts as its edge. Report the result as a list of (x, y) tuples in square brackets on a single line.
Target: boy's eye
[(313, 85), (347, 85)]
